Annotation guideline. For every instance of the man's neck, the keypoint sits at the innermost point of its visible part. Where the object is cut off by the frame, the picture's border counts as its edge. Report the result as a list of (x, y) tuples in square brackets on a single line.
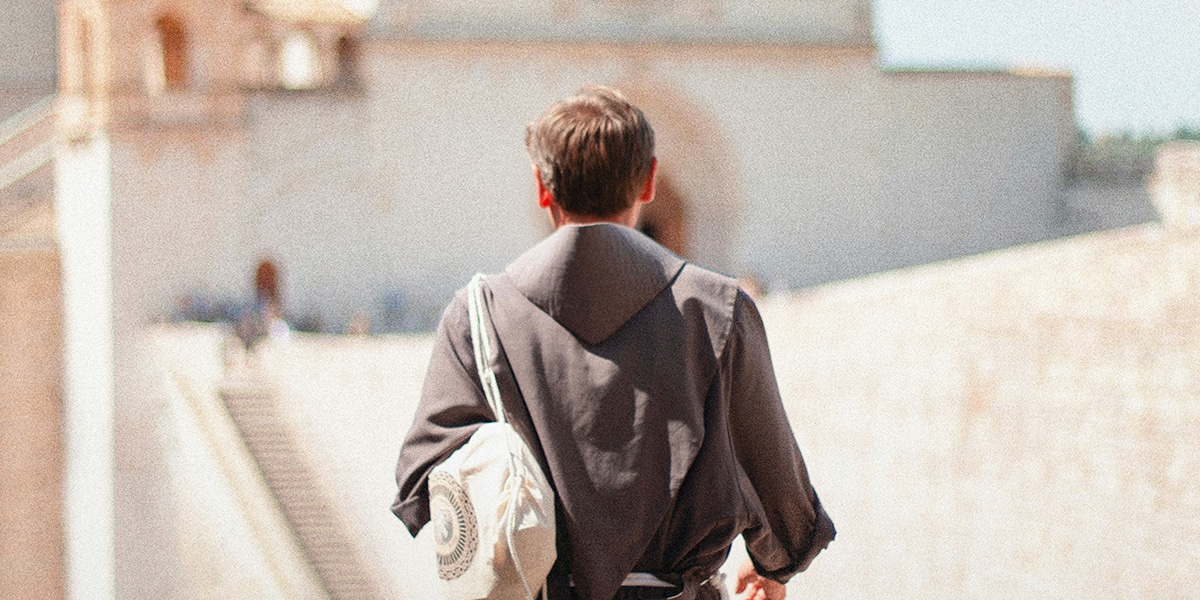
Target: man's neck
[(627, 217)]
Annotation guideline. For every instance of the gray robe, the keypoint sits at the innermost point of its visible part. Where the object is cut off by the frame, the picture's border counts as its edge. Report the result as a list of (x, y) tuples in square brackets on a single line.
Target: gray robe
[(644, 386)]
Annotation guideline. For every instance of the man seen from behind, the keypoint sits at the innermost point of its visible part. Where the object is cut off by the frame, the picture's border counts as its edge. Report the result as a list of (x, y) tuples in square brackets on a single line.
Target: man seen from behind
[(642, 383)]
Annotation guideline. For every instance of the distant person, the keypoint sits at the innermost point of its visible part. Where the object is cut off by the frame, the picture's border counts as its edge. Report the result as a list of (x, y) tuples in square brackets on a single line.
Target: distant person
[(642, 382)]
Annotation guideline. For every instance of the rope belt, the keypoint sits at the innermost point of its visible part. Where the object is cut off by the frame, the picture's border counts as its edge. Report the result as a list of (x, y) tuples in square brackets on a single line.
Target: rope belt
[(644, 580), (637, 580), (648, 580)]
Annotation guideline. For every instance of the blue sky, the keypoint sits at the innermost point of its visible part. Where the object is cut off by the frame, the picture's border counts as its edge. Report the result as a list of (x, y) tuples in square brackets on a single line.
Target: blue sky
[(1136, 64)]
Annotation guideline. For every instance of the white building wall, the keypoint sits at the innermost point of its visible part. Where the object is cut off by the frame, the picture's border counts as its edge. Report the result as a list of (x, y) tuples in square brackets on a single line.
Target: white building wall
[(815, 166), (178, 216), (171, 229), (971, 162), (310, 206), (798, 165), (798, 126), (449, 163), (773, 149)]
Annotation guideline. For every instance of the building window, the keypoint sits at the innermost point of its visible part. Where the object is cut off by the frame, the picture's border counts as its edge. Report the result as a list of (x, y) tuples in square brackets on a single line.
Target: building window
[(86, 77), (347, 61), (172, 45), (299, 62)]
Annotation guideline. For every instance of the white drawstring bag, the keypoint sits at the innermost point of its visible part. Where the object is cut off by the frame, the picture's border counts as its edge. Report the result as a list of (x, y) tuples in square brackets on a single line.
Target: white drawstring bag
[(491, 506)]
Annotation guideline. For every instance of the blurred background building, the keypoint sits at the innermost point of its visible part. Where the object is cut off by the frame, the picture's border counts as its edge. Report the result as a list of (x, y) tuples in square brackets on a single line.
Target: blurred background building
[(31, 351), (298, 159)]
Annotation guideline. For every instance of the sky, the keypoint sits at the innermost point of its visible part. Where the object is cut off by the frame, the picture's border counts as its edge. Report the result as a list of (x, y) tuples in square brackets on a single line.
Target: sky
[(1136, 63)]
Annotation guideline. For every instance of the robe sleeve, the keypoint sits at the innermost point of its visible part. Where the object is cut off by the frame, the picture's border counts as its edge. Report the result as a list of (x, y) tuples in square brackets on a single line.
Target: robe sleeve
[(792, 526), (451, 408)]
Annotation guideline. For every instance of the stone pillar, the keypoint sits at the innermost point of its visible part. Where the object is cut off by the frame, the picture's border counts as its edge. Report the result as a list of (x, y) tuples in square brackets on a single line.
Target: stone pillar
[(1175, 184), (83, 215)]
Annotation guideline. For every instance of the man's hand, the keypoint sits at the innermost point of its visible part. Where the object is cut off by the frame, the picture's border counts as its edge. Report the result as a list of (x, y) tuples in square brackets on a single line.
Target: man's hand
[(756, 586)]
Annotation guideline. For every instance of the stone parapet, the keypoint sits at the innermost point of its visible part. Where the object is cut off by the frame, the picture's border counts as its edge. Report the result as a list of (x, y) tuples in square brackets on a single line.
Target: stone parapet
[(843, 22)]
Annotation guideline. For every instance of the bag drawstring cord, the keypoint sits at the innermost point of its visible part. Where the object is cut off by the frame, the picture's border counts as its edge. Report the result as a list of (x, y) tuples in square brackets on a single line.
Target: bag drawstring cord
[(482, 346)]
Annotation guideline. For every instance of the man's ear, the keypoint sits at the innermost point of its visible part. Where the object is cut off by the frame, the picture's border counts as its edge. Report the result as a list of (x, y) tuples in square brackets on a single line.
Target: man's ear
[(543, 194), (647, 194)]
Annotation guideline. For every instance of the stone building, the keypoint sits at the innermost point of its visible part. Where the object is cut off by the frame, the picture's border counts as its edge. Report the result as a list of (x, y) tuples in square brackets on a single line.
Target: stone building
[(370, 166), (31, 327), (244, 135), (31, 395)]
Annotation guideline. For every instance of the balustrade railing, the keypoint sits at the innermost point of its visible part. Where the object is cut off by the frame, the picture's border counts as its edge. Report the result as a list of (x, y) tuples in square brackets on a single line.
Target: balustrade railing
[(26, 144)]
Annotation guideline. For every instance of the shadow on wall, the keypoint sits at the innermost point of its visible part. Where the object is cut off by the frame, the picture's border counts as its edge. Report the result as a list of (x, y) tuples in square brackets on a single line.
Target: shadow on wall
[(665, 219), (695, 209)]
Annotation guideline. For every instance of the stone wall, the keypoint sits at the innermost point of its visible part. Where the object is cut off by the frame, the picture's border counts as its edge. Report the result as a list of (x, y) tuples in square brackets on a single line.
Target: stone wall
[(1020, 424), (1097, 205), (31, 409)]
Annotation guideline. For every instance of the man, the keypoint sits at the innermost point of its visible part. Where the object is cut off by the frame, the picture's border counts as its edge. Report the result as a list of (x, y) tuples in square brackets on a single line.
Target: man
[(642, 383)]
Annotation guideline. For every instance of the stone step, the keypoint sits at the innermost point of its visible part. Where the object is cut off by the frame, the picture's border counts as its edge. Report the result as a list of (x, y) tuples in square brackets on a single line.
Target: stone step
[(323, 537)]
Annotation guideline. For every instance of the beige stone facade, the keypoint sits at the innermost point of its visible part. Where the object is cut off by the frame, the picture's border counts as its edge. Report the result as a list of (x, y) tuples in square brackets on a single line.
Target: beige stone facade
[(31, 407), (32, 537)]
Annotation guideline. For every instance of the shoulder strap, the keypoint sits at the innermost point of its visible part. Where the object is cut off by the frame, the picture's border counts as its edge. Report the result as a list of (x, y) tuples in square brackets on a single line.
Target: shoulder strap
[(502, 293), (482, 344)]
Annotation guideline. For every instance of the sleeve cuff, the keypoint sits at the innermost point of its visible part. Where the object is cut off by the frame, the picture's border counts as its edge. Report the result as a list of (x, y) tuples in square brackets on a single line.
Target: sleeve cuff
[(413, 512)]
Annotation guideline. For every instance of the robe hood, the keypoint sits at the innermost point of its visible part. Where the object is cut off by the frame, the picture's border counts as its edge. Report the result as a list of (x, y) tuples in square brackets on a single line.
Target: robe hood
[(553, 276)]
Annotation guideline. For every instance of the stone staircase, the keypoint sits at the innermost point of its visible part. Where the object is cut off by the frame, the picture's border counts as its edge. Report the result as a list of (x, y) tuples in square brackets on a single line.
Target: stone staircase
[(325, 539)]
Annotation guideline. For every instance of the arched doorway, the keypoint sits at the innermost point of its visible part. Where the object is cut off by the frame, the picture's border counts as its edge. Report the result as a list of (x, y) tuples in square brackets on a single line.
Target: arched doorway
[(665, 219)]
